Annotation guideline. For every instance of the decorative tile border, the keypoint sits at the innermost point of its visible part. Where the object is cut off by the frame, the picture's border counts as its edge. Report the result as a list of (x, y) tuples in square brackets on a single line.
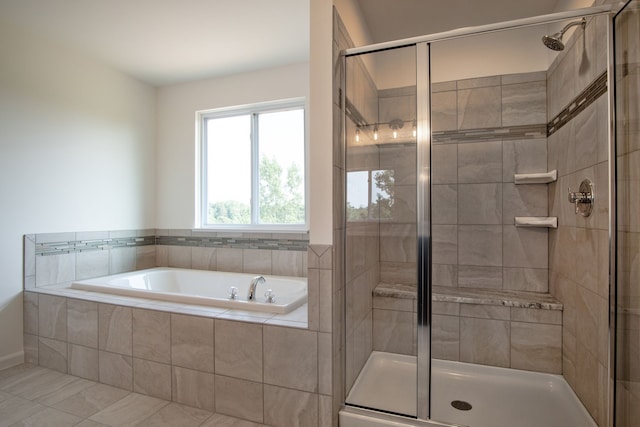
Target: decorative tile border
[(73, 246), (490, 134), (582, 101)]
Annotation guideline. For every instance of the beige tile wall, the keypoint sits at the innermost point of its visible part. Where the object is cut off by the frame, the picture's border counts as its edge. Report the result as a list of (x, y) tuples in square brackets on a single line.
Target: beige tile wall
[(578, 249)]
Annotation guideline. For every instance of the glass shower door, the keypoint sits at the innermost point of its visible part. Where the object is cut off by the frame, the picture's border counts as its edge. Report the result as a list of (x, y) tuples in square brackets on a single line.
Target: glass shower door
[(384, 132)]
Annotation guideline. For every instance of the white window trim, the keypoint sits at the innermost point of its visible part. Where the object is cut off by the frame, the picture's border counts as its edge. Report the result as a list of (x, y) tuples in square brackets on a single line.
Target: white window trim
[(201, 167)]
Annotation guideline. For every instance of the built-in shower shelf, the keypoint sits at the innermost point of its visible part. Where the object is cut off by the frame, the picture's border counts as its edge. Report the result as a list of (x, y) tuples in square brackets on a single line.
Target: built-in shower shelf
[(506, 298), (537, 221), (536, 178)]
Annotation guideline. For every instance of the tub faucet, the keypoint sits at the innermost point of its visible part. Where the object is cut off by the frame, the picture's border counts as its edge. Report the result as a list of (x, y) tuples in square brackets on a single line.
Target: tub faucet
[(252, 287)]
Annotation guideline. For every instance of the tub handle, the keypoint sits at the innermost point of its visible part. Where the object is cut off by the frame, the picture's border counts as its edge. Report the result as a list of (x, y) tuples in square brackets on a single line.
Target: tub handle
[(233, 292), (270, 296)]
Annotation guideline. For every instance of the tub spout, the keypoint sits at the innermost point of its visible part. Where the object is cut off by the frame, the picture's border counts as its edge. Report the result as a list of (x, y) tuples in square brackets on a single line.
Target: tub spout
[(252, 287)]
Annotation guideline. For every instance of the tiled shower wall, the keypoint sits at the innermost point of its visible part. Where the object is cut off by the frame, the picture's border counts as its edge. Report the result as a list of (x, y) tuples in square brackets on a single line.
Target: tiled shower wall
[(578, 249)]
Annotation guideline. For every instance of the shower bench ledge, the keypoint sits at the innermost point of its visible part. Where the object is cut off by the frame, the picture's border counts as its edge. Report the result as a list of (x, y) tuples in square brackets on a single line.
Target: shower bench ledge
[(505, 298)]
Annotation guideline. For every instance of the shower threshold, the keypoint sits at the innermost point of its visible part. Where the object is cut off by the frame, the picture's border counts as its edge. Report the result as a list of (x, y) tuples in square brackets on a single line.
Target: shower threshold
[(468, 394)]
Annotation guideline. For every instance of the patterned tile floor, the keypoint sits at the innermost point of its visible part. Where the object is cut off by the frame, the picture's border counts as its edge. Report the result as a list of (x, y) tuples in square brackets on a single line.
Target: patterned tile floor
[(40, 397)]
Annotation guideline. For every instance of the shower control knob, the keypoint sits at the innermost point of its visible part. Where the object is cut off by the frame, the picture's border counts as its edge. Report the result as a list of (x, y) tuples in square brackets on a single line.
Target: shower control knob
[(233, 292), (270, 296)]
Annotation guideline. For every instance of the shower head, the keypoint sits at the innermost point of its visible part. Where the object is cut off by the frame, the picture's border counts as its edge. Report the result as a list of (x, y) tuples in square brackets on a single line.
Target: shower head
[(554, 42)]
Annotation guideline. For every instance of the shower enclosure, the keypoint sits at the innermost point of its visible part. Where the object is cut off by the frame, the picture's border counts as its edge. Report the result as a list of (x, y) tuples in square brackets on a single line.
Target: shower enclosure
[(475, 292)]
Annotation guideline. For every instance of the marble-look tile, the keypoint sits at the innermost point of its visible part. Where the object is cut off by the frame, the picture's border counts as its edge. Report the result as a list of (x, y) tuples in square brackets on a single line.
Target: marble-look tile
[(92, 264), (397, 272), (256, 261), (179, 256), (444, 202), (287, 408), (14, 409), (44, 382), (52, 354), (116, 370), (325, 363), (444, 161), (402, 160), (477, 82), (523, 156), (77, 385), (443, 86), (445, 244), (397, 242), (52, 317), (54, 269), (393, 303), (30, 343), (145, 257), (48, 417), (162, 256), (29, 255), (151, 378), (82, 322), (115, 328), (480, 204), (536, 347), (393, 331), (479, 108), (404, 205), (203, 258), (238, 350), (526, 279), (473, 276), (586, 133), (444, 112), (220, 420), (192, 342), (30, 313), (176, 415), (523, 200), (530, 315), (480, 245), (229, 259), (288, 263), (232, 395), (313, 298), (320, 256), (525, 247), (480, 162), (83, 362), (444, 275), (193, 388), (524, 103), (152, 335), (484, 341), (326, 301), (445, 337), (122, 260), (536, 76), (129, 411), (485, 311), (291, 358)]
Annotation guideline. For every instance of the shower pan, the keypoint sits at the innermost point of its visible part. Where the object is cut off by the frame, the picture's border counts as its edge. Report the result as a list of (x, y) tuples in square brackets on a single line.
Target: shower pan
[(462, 303)]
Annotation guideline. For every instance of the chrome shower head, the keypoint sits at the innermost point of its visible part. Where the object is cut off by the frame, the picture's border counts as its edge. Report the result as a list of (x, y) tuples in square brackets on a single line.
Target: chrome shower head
[(554, 42)]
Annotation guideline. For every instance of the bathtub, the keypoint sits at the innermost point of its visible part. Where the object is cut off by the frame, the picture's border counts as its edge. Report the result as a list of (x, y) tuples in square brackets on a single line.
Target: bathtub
[(210, 288)]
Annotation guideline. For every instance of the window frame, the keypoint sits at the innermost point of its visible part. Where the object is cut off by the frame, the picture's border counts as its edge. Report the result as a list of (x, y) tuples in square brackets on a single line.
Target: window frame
[(202, 169)]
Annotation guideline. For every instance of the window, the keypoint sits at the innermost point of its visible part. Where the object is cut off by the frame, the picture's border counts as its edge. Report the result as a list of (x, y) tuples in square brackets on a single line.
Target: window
[(253, 167)]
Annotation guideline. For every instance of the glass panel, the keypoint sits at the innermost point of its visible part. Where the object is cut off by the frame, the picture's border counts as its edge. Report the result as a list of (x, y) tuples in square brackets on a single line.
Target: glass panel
[(281, 167), (627, 95), (229, 155), (380, 265), (499, 289)]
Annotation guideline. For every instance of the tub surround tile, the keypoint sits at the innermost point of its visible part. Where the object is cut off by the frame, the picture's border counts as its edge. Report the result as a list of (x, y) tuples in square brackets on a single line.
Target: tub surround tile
[(52, 317), (152, 335), (115, 328), (30, 313), (232, 395), (284, 407), (52, 354), (83, 362), (145, 257), (92, 264), (291, 358), (29, 258), (116, 370), (193, 388), (151, 378), (192, 342), (122, 260), (55, 269), (30, 343), (82, 322), (239, 351)]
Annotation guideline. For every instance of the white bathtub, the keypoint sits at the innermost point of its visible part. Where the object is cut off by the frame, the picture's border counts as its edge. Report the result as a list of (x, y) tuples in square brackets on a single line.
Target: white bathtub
[(201, 287)]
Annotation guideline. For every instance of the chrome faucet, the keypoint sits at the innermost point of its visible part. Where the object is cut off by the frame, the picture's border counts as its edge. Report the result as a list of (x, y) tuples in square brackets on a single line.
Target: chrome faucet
[(252, 287)]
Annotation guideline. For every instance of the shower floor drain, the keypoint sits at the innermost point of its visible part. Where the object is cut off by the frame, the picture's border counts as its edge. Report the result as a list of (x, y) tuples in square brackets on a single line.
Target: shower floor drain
[(461, 405)]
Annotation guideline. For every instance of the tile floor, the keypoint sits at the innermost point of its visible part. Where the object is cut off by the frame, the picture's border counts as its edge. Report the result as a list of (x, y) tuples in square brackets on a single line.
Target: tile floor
[(40, 397)]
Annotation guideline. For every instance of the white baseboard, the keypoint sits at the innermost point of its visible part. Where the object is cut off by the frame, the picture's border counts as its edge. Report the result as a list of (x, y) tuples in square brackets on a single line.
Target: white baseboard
[(11, 360)]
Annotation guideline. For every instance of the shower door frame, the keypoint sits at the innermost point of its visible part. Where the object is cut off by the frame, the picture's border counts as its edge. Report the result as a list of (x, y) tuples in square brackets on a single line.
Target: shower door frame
[(423, 147)]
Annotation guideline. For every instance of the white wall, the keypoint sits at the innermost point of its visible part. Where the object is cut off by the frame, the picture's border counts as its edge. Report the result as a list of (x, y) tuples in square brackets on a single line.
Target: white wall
[(176, 139), (76, 153)]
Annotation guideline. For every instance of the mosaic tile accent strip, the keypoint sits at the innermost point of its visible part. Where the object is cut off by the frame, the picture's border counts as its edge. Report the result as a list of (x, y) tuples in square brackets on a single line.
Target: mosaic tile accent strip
[(490, 134), (582, 101), (234, 242), (59, 248)]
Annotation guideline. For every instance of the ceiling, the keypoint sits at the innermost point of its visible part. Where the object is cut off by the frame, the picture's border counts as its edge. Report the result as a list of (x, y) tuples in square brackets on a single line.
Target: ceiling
[(169, 41)]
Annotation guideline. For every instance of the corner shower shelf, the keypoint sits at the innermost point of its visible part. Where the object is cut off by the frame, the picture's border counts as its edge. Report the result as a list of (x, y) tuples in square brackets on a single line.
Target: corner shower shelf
[(537, 221), (536, 178)]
